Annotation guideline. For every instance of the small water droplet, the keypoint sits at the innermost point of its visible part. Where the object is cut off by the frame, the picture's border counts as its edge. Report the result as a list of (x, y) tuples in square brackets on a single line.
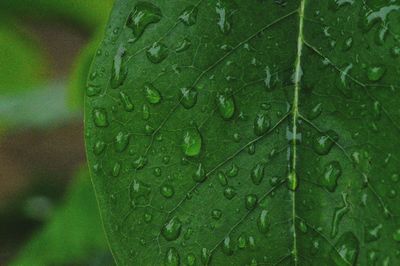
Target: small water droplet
[(222, 178), (250, 201), (92, 91), (216, 214), (139, 162), (119, 70), (99, 147), (189, 15), (152, 95), (339, 214), (200, 174), (227, 246), (347, 247), (396, 235), (262, 124), (167, 191), (226, 105), (139, 192), (188, 97), (233, 171), (100, 117), (172, 229), (257, 173), (121, 141), (192, 142), (205, 256), (157, 52), (191, 259), (229, 192), (225, 11), (324, 142), (183, 45), (373, 233), (329, 178), (375, 73), (145, 112), (172, 257), (126, 101)]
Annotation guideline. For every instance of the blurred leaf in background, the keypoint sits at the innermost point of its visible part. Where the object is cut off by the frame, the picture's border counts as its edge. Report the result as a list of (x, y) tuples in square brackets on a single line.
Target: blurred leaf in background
[(74, 235)]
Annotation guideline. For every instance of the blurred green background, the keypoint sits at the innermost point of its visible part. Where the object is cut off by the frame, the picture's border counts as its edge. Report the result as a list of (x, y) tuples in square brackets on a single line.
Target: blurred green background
[(48, 213)]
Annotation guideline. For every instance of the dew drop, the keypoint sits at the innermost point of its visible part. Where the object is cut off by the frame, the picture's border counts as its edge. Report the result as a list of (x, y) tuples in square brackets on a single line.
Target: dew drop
[(229, 192), (191, 259), (157, 52), (316, 111), (262, 124), (225, 10), (226, 105), (92, 91), (139, 192), (205, 256), (200, 174), (121, 141), (348, 247), (329, 178), (172, 229), (189, 15), (188, 97), (233, 171), (139, 162), (375, 73), (257, 173), (172, 257), (227, 246), (116, 169), (99, 147), (339, 214), (145, 112), (324, 142), (126, 101), (167, 191), (119, 69), (396, 235), (250, 201), (373, 233), (100, 117), (183, 45), (192, 142), (216, 214), (152, 95), (142, 15), (222, 178)]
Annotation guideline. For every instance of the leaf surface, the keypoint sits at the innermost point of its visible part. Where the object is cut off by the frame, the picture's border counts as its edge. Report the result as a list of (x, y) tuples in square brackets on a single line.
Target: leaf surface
[(248, 132)]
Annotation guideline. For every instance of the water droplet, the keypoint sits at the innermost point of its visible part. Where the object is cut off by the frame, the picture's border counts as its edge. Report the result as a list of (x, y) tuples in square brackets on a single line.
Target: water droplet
[(250, 201), (121, 141), (139, 192), (152, 95), (339, 214), (233, 171), (157, 52), (188, 97), (126, 101), (99, 147), (183, 45), (216, 214), (205, 256), (119, 70), (329, 178), (167, 191), (192, 142), (348, 248), (324, 142), (227, 246), (375, 73), (139, 162), (226, 105), (189, 15), (373, 233), (145, 112), (257, 173), (116, 169), (157, 171), (262, 124), (396, 235), (92, 91), (222, 178), (252, 149), (225, 10), (142, 15), (316, 111), (172, 257), (200, 174), (191, 259), (100, 117), (292, 183), (303, 227), (242, 241), (229, 192), (172, 229)]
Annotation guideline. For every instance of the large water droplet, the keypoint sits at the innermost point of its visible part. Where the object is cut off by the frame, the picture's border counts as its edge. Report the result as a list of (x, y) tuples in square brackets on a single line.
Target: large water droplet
[(188, 97), (225, 10), (152, 95), (189, 15), (157, 52), (262, 123), (142, 15), (226, 105), (192, 141), (172, 229), (100, 117), (332, 172)]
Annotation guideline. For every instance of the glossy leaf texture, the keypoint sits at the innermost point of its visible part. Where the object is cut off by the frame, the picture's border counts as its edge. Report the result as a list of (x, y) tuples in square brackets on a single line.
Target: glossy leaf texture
[(248, 132)]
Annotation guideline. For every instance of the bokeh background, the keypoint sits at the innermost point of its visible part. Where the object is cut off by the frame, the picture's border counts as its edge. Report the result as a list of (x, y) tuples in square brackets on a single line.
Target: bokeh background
[(48, 213)]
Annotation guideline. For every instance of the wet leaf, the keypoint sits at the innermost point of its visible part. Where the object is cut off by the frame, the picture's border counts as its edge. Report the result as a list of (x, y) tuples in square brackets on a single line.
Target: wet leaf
[(288, 151)]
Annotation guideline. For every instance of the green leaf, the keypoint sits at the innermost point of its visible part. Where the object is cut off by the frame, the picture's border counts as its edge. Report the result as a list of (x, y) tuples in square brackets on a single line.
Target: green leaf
[(274, 139), (74, 235)]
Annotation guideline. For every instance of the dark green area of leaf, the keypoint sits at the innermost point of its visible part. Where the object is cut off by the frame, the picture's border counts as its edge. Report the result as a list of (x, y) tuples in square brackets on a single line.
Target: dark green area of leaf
[(272, 138)]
